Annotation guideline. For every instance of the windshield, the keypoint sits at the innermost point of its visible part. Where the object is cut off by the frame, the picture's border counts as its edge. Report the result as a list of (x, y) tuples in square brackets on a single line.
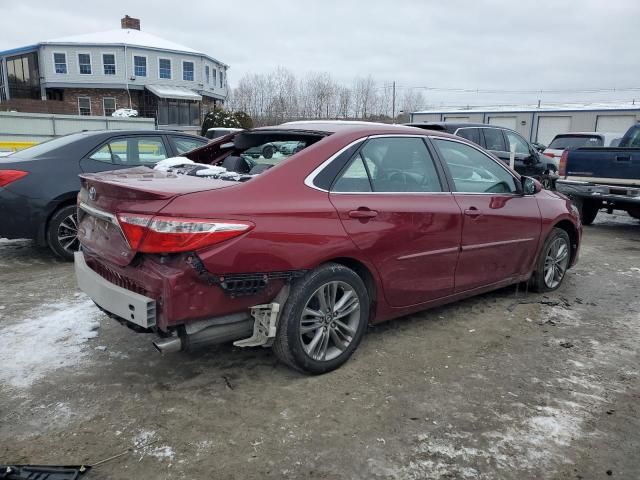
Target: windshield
[(46, 147), (563, 142)]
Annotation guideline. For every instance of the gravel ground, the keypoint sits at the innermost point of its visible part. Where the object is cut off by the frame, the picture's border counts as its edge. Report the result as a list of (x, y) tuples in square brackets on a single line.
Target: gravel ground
[(506, 385)]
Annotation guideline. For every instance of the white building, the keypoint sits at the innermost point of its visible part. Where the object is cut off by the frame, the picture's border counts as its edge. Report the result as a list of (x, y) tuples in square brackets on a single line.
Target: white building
[(97, 73), (542, 123)]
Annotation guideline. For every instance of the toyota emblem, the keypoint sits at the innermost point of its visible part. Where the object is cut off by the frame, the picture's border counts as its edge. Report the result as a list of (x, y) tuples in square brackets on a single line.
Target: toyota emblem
[(92, 194)]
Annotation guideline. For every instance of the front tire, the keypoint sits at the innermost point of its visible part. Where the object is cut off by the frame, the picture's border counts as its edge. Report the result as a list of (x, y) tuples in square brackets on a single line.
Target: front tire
[(62, 233), (589, 211), (553, 262), (323, 321)]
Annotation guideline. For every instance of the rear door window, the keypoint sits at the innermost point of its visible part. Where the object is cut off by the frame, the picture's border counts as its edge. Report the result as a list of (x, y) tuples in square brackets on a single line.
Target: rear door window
[(472, 134), (132, 151), (494, 140)]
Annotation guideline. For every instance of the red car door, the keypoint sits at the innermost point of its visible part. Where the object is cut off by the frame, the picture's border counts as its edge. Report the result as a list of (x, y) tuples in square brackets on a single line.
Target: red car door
[(501, 227), (392, 203)]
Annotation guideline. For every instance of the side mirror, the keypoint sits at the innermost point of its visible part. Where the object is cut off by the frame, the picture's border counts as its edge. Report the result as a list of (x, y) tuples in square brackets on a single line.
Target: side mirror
[(530, 186)]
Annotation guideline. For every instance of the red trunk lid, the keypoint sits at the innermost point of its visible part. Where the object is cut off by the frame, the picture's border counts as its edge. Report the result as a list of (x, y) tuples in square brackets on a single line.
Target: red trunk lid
[(137, 190)]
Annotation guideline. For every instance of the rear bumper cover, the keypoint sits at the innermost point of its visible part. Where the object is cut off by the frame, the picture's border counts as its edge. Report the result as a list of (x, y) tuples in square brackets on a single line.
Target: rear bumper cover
[(609, 193), (128, 305)]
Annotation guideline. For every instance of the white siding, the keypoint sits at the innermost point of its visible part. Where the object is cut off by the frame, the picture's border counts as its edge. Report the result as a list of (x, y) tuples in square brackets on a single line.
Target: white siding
[(507, 122), (550, 126), (124, 69), (614, 123)]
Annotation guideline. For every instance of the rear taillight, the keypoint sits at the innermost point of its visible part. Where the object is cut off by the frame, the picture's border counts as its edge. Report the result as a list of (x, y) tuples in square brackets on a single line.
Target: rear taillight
[(563, 163), (10, 176), (159, 234)]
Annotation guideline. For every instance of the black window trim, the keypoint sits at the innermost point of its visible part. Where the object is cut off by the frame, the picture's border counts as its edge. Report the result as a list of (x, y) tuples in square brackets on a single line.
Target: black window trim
[(516, 179)]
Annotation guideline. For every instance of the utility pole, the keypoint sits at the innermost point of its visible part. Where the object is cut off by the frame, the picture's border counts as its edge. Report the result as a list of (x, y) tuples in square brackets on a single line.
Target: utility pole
[(393, 102)]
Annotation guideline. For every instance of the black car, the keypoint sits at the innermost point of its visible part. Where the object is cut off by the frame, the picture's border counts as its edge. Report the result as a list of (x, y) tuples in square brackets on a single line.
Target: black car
[(39, 185), (528, 160)]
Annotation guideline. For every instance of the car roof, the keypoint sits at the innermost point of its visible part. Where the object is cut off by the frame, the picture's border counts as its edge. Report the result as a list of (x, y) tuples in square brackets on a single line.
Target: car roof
[(334, 126), (107, 133), (456, 125)]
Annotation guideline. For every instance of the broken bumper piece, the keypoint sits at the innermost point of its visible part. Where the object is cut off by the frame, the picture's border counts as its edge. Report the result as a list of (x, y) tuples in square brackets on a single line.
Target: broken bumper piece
[(42, 472)]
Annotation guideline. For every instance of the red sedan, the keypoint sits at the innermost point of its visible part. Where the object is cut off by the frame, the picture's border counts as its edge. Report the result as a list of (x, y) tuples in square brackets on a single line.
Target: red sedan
[(345, 224)]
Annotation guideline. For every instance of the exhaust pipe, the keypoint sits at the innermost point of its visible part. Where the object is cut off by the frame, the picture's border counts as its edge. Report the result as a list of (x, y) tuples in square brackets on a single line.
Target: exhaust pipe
[(227, 328), (168, 345)]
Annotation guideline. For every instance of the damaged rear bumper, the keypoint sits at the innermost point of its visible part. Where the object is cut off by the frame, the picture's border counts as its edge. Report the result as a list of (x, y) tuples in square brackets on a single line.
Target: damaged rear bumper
[(130, 306)]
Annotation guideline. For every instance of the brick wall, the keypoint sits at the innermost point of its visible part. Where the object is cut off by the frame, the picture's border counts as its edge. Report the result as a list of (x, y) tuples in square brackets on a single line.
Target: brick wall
[(71, 95), (69, 103), (28, 105)]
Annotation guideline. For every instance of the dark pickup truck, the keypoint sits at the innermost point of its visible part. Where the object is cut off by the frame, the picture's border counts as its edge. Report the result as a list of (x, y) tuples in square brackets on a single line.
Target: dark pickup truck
[(603, 177)]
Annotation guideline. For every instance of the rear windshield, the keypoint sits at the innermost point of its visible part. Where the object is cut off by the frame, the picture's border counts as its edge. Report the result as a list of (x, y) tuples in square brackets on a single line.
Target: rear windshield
[(563, 142), (45, 147)]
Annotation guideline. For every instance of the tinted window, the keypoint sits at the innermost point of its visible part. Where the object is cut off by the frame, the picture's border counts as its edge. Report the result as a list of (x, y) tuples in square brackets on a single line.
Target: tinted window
[(400, 164), (493, 139), (519, 142), (45, 147), (473, 171), (354, 178), (470, 134), (184, 144), (633, 140), (132, 151), (562, 142)]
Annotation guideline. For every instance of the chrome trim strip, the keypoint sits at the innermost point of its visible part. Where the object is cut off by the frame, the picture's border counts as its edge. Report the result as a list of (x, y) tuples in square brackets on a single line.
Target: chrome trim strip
[(429, 253), (480, 246), (96, 212)]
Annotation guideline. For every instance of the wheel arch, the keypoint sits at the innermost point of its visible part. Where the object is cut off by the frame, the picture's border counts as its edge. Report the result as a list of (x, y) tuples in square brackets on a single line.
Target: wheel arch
[(64, 200), (365, 273), (574, 236)]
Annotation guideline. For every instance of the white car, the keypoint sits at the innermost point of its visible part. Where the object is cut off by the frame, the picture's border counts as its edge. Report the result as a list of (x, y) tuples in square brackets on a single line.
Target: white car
[(564, 141), (125, 112)]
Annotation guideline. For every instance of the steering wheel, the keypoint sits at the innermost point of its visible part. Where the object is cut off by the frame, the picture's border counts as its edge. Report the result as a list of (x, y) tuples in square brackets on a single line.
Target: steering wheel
[(500, 187), (402, 177)]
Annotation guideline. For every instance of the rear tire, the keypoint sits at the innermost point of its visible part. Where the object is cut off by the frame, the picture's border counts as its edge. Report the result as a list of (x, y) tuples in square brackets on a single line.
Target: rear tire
[(553, 262), (62, 232), (589, 210), (314, 335)]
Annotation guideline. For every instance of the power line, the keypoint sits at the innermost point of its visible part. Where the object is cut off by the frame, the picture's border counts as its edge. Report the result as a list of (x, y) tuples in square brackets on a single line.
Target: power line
[(518, 92)]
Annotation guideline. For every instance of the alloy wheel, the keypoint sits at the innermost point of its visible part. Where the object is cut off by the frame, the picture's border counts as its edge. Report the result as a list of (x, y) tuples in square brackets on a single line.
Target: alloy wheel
[(68, 233), (555, 262), (330, 320)]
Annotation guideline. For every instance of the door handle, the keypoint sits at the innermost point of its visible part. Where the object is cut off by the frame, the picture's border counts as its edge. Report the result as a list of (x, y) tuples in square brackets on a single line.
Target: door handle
[(363, 212), (472, 212), (623, 158)]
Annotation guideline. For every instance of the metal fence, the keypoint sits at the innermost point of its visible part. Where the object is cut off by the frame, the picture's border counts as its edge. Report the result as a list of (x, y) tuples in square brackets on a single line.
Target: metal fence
[(22, 130)]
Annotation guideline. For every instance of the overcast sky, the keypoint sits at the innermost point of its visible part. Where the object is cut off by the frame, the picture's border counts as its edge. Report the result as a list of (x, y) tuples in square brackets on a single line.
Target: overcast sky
[(471, 44)]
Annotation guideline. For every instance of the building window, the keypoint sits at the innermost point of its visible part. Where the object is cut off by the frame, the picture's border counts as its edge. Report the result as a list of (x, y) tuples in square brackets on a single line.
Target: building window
[(164, 66), (84, 105), (213, 77), (221, 78), (84, 63), (187, 71), (60, 62), (108, 105), (206, 74), (109, 63), (140, 66), (178, 112), (23, 76)]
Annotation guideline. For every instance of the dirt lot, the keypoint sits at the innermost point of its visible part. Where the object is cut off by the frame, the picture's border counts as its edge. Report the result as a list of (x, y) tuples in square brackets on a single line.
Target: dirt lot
[(506, 385)]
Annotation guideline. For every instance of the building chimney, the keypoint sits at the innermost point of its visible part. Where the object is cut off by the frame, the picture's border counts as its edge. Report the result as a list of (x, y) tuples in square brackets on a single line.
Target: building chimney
[(130, 22)]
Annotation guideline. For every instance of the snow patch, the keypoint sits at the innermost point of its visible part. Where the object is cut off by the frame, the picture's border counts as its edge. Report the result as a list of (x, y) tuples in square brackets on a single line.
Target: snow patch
[(144, 443), (52, 337)]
